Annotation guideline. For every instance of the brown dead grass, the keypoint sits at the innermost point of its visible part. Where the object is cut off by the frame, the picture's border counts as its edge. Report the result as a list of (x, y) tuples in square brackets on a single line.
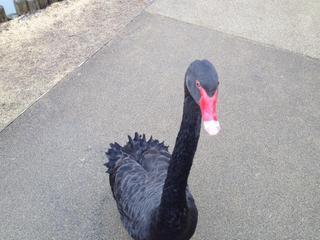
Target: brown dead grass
[(38, 50)]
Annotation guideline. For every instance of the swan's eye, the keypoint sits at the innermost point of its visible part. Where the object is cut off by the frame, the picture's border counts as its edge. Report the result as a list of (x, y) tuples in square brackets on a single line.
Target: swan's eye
[(198, 84)]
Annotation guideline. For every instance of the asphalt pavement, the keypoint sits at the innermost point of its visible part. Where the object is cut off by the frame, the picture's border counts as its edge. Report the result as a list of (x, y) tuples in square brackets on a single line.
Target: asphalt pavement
[(258, 179)]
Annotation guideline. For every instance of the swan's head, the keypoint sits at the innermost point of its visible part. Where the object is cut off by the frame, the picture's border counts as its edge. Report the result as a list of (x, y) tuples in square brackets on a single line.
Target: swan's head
[(202, 83)]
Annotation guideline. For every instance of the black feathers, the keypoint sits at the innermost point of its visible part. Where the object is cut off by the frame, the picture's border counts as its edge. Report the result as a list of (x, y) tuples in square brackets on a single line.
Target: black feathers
[(149, 185), (114, 153), (134, 147), (137, 173)]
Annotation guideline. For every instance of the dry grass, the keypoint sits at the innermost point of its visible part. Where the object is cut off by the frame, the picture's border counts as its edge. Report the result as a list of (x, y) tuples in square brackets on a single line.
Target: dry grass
[(38, 50)]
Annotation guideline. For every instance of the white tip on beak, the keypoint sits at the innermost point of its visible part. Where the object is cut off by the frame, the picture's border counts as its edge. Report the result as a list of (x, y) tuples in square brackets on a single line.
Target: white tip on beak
[(212, 127)]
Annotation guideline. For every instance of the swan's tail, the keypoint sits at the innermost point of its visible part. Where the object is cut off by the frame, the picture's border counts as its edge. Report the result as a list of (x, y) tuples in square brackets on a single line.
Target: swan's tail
[(134, 147)]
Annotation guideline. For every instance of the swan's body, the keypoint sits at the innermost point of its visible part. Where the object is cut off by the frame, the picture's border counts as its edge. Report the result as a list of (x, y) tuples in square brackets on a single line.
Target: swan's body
[(137, 182), (150, 185)]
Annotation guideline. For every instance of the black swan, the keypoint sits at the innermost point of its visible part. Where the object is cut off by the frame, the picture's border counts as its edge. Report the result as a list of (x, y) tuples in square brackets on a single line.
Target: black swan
[(150, 185)]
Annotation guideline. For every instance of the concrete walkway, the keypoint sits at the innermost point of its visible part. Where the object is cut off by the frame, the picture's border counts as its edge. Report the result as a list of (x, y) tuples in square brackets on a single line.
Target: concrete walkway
[(287, 24), (38, 50), (258, 179)]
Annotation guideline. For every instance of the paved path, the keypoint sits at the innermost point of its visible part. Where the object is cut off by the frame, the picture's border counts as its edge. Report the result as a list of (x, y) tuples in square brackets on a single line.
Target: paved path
[(258, 179), (286, 24)]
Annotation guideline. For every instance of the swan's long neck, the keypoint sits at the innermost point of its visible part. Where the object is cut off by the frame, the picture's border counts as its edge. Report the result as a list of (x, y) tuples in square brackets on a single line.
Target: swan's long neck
[(174, 191)]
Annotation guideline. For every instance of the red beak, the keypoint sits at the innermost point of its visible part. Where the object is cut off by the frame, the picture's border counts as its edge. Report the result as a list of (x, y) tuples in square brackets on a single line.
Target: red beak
[(208, 106)]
